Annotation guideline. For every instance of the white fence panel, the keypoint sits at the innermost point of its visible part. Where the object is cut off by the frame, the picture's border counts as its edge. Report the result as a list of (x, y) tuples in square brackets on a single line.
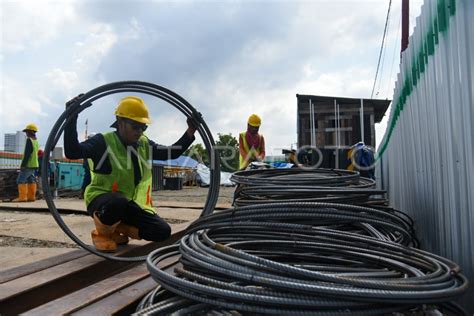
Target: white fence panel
[(426, 158)]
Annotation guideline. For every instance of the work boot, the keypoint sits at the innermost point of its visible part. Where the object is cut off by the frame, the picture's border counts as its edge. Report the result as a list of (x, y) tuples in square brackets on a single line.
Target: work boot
[(123, 231), (22, 193), (102, 236), (31, 195), (120, 239)]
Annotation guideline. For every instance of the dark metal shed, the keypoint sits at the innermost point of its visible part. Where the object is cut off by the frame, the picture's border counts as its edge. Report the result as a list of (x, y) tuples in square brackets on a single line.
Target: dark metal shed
[(334, 124)]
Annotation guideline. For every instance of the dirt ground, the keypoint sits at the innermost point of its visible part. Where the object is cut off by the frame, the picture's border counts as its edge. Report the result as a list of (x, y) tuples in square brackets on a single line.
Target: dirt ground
[(28, 232)]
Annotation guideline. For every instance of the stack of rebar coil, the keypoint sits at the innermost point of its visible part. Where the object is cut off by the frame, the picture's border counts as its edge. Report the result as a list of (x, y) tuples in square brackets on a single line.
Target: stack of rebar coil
[(301, 259), (303, 185)]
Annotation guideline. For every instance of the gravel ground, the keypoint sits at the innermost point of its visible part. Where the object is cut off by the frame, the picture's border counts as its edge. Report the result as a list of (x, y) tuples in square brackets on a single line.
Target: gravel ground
[(10, 241), (31, 235), (194, 195)]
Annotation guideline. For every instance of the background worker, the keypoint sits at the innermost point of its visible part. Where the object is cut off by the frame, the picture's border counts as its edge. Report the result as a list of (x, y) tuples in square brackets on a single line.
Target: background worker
[(40, 161), (119, 195), (251, 143), (38, 173), (26, 180), (361, 158), (86, 164)]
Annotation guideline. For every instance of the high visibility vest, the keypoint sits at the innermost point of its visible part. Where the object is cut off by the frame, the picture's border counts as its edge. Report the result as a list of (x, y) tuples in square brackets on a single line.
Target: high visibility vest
[(33, 160), (122, 177), (350, 165), (250, 154)]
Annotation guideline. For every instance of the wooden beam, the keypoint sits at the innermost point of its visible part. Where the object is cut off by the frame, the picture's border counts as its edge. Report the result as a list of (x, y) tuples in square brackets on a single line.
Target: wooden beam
[(29, 291), (123, 301), (17, 272)]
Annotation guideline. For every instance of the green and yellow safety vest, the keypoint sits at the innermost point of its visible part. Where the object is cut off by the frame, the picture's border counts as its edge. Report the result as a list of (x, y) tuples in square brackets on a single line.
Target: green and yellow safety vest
[(33, 160), (122, 178), (250, 154)]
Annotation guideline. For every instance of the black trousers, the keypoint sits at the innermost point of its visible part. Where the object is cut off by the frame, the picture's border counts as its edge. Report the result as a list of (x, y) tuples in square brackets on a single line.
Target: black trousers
[(113, 207)]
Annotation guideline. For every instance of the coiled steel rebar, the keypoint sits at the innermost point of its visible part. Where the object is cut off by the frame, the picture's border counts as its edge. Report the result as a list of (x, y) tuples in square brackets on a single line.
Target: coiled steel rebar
[(259, 259), (85, 101), (302, 185)]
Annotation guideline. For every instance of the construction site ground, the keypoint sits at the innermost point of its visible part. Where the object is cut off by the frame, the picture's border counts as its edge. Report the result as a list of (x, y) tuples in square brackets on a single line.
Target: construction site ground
[(28, 232)]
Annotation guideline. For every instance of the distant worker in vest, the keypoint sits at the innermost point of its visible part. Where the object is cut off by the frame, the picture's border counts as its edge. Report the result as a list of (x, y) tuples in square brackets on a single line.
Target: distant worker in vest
[(38, 173), (40, 161), (86, 164), (119, 195), (29, 165), (251, 143), (361, 158)]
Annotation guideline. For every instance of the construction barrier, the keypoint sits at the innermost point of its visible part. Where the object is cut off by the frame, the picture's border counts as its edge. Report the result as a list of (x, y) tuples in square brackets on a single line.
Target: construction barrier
[(426, 155)]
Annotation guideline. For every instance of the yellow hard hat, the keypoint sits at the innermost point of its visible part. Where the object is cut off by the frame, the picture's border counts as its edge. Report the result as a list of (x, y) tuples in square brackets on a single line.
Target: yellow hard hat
[(31, 127), (254, 120), (133, 108)]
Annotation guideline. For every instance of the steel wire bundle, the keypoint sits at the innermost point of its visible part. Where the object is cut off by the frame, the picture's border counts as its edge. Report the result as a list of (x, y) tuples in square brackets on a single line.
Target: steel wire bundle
[(86, 100), (383, 224), (302, 185), (163, 302), (259, 260)]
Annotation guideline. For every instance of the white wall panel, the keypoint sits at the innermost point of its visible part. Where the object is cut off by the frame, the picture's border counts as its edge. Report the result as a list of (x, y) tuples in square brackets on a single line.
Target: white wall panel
[(426, 159)]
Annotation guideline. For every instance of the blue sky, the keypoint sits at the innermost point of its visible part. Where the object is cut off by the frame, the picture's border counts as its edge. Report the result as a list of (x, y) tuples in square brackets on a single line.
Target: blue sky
[(229, 59)]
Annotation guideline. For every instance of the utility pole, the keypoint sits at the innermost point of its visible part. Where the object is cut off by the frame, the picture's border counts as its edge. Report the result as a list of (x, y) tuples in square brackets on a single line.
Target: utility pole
[(405, 24)]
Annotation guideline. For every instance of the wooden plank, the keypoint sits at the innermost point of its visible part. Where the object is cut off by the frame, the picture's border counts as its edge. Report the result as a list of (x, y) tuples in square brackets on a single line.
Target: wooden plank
[(28, 282), (16, 272), (122, 302), (112, 301), (92, 293), (54, 273), (30, 291)]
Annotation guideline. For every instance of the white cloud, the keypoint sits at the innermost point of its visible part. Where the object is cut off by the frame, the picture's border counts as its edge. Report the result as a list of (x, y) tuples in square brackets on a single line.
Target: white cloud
[(94, 46), (62, 79), (351, 82), (29, 24), (229, 60), (135, 29), (80, 74), (19, 106)]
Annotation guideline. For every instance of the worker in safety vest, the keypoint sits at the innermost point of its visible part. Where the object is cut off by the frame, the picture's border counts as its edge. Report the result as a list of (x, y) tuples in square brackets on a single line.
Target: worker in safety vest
[(361, 158), (251, 143), (88, 165), (119, 195), (29, 165)]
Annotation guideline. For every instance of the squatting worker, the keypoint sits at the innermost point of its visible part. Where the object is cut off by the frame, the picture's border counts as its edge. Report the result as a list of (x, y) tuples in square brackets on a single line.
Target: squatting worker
[(26, 180), (119, 195), (251, 143)]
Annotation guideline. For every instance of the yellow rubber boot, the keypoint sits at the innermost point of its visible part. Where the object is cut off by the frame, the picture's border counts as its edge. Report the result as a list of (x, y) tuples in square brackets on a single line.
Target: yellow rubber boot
[(22, 193), (31, 195), (123, 232), (102, 236), (120, 239)]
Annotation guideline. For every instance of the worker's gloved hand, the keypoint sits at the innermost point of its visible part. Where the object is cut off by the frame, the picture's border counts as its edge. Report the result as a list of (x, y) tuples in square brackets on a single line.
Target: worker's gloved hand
[(73, 100), (192, 124)]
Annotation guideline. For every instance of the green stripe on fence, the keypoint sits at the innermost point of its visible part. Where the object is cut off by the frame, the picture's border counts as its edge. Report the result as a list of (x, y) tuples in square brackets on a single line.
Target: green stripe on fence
[(445, 9)]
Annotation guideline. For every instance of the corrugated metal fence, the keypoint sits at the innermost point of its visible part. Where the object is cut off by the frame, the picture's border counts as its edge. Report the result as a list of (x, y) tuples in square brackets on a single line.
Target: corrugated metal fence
[(426, 160)]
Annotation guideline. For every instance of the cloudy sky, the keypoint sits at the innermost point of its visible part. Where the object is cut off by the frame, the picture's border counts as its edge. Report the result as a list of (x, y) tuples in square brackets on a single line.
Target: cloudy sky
[(229, 59)]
